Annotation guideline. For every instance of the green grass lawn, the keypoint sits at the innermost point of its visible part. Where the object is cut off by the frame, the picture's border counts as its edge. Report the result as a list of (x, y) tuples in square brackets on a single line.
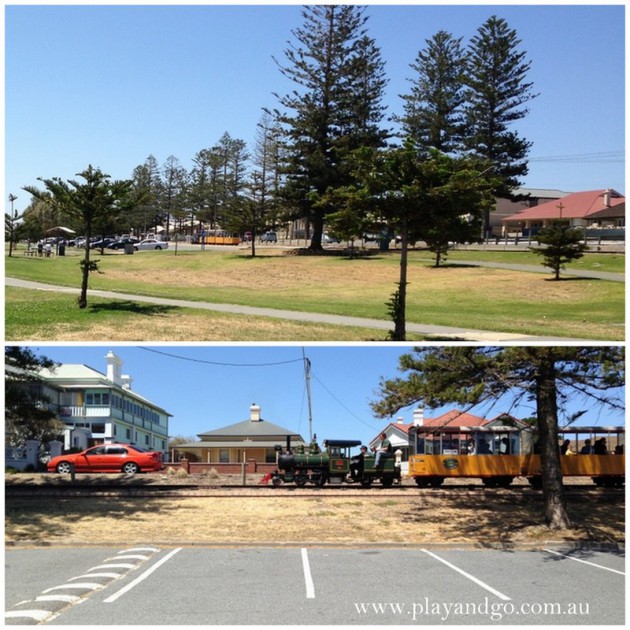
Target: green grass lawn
[(467, 297)]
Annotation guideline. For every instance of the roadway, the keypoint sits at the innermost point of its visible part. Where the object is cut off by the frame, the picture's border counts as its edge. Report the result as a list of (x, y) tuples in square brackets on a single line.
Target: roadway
[(377, 585)]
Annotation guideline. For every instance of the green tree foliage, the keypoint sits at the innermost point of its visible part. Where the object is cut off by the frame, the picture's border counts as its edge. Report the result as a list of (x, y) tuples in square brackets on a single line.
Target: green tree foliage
[(549, 376), (93, 202), (562, 245), (27, 413), (174, 193), (421, 197), (496, 96), (147, 184), (433, 109), (336, 108)]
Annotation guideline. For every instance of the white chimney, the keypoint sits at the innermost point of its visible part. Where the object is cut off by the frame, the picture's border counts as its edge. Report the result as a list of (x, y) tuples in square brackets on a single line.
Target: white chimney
[(607, 198), (418, 417), (114, 364), (254, 413), (125, 381), (400, 420)]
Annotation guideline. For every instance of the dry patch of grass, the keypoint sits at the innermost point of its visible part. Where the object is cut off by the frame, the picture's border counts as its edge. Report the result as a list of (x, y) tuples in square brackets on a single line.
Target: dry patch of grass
[(302, 519)]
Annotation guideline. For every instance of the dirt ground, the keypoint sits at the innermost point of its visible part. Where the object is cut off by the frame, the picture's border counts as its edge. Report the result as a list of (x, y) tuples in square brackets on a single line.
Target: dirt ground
[(252, 515)]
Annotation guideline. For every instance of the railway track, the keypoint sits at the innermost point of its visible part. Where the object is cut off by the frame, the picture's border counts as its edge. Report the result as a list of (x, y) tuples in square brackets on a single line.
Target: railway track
[(87, 491)]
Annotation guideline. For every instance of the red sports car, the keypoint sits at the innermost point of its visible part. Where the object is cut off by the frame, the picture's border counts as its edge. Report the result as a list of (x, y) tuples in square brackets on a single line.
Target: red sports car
[(108, 458)]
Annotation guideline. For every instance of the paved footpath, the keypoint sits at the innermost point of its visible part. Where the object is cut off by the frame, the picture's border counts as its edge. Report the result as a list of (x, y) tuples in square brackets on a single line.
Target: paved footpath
[(442, 332)]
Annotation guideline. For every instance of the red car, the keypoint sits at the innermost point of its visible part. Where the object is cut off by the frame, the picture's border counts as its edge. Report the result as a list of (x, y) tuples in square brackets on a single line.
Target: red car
[(108, 458)]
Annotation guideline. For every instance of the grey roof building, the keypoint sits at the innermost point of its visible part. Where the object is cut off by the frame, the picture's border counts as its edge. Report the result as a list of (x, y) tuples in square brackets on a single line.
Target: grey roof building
[(254, 438)]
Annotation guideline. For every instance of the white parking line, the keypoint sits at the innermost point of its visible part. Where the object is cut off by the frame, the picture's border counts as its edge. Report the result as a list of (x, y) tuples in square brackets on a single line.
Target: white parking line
[(107, 574), (82, 585), (136, 556), (37, 615), (111, 565), (141, 577), (57, 598), (468, 575), (592, 564), (308, 579)]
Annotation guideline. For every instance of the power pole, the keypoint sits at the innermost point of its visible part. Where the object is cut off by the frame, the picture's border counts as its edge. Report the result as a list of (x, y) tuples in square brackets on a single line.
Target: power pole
[(307, 377)]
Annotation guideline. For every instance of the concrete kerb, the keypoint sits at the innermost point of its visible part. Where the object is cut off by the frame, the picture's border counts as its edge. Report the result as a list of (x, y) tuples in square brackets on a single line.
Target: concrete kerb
[(470, 546)]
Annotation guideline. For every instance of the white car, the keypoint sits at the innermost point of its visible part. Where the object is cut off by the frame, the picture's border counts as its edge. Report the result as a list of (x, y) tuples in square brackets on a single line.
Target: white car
[(151, 243)]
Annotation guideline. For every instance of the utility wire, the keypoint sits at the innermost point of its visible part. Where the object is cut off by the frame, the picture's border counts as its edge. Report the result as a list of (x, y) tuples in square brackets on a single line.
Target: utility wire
[(587, 158), (341, 404), (176, 356)]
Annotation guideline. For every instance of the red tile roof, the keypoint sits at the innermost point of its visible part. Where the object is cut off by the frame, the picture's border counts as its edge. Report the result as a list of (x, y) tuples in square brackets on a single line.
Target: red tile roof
[(575, 206), (454, 418)]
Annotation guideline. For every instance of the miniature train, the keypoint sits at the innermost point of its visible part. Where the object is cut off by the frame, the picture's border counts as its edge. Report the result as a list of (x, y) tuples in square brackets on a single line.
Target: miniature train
[(333, 465), (496, 455)]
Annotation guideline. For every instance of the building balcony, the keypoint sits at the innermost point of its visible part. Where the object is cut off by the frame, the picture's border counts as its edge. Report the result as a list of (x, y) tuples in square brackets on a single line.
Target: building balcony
[(83, 411)]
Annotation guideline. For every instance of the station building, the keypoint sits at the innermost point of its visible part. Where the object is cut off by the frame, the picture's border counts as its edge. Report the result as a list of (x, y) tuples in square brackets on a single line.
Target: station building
[(252, 440)]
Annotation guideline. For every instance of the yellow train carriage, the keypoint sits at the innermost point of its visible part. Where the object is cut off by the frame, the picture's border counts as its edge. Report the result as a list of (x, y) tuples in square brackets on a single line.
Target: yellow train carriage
[(219, 237), (498, 455), (215, 237), (596, 452)]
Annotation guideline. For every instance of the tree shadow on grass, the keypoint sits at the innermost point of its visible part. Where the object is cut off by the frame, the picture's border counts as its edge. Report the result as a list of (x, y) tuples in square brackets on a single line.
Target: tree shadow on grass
[(135, 308), (510, 521), (50, 519)]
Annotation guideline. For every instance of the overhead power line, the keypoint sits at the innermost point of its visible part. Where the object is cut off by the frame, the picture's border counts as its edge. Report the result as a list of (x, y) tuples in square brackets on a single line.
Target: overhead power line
[(601, 157), (221, 363)]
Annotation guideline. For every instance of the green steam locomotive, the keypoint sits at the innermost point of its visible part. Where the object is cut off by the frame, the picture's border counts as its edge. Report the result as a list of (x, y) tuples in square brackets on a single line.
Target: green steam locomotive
[(334, 465)]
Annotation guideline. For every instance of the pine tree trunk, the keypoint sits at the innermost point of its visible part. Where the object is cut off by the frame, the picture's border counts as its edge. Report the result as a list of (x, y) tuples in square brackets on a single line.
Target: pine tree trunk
[(400, 332), (556, 515)]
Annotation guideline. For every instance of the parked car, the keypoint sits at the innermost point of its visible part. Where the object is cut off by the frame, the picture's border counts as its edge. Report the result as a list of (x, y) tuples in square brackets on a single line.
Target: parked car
[(326, 238), (113, 458), (247, 237), (102, 242), (121, 242), (150, 243), (269, 237)]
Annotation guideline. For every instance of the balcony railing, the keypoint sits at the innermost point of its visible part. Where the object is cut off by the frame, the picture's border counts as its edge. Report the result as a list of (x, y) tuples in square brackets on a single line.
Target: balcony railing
[(73, 412), (83, 411)]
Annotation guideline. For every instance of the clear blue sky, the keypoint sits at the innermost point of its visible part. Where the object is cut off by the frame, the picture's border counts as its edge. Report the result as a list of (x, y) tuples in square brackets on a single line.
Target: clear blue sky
[(109, 85), (207, 393)]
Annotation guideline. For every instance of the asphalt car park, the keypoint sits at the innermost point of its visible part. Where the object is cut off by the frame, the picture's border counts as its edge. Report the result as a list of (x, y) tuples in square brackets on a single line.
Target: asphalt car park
[(316, 585)]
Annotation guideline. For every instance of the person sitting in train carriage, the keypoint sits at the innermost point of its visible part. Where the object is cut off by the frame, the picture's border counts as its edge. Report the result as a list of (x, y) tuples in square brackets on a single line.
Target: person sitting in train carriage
[(470, 447), (565, 449), (383, 450), (504, 446), (484, 448), (600, 447), (587, 449)]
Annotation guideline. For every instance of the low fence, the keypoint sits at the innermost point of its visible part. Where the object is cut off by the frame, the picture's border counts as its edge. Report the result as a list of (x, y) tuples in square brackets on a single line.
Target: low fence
[(250, 467)]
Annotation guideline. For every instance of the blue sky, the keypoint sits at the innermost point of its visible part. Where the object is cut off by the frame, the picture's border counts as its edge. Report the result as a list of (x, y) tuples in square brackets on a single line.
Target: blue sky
[(109, 85), (207, 387)]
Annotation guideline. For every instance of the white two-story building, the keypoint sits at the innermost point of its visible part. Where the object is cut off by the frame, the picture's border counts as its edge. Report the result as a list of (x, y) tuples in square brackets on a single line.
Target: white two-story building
[(102, 408)]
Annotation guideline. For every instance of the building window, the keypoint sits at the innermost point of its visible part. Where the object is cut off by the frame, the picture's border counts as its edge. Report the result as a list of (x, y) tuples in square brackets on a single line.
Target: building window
[(98, 427), (270, 456), (97, 399), (224, 455)]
